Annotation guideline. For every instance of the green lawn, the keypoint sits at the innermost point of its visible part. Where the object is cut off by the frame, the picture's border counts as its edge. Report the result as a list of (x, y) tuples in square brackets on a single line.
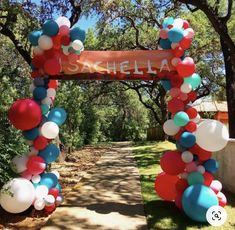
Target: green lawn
[(161, 214)]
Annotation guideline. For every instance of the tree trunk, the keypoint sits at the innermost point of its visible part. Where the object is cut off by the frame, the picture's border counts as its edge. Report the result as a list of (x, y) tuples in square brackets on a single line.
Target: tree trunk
[(229, 62)]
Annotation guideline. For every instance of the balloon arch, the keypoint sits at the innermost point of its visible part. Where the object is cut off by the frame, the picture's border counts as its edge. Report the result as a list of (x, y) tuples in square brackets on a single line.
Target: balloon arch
[(58, 53)]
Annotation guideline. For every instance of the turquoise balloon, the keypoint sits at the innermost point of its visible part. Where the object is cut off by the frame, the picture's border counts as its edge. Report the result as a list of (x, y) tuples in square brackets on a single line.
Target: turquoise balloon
[(195, 178), (211, 165), (31, 134), (57, 115), (187, 140), (196, 200), (77, 34), (45, 108), (168, 21), (34, 36), (165, 44), (50, 28), (175, 35), (48, 179), (166, 84), (195, 80), (181, 119), (50, 153)]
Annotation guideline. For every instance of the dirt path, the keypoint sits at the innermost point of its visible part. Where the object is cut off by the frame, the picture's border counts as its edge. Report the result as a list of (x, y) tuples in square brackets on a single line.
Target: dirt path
[(108, 198)]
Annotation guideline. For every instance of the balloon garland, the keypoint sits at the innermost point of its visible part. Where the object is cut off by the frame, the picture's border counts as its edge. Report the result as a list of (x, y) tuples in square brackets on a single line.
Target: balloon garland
[(39, 122), (187, 177)]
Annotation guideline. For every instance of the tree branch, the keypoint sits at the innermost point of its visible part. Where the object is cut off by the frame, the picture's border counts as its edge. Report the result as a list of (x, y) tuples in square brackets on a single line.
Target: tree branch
[(229, 11), (76, 11)]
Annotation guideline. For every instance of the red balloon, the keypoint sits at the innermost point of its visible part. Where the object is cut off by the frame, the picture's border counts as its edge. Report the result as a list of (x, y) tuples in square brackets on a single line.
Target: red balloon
[(192, 96), (36, 165), (178, 135), (54, 192), (40, 143), (202, 154), (50, 209), (165, 186), (38, 61), (64, 30), (49, 53), (25, 114), (208, 178), (27, 175), (192, 112), (178, 201), (175, 105), (178, 52), (177, 81), (181, 185), (65, 40), (52, 66), (191, 127), (56, 42), (53, 84), (171, 163), (186, 67), (36, 73), (185, 43), (186, 24)]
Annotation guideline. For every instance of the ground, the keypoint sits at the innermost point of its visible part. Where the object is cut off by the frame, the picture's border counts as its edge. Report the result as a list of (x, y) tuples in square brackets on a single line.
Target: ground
[(161, 214), (71, 173)]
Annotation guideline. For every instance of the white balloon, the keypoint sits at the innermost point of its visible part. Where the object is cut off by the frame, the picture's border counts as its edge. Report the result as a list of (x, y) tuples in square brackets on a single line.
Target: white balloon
[(216, 186), (18, 163), (63, 21), (59, 200), (47, 101), (178, 22), (212, 135), (201, 169), (189, 33), (50, 130), (37, 50), (41, 191), (170, 128), (197, 119), (36, 179), (77, 45), (49, 200), (56, 173), (39, 204), (187, 157), (33, 151), (51, 92), (17, 195), (186, 88), (45, 42)]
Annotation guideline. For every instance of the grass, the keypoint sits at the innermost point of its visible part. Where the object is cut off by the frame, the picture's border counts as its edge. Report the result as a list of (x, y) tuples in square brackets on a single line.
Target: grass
[(161, 214)]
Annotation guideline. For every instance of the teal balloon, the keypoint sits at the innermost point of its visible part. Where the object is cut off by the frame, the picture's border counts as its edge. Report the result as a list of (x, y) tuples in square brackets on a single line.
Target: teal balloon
[(39, 93), (168, 21), (195, 178), (48, 179), (58, 186), (181, 119), (50, 28), (175, 35), (195, 80), (34, 36), (77, 34), (196, 200), (57, 115), (166, 84), (31, 134), (187, 140), (45, 109), (165, 44), (211, 165), (50, 153)]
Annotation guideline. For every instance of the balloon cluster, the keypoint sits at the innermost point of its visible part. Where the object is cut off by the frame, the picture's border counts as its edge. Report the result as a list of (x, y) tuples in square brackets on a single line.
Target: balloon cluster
[(187, 177), (39, 121)]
